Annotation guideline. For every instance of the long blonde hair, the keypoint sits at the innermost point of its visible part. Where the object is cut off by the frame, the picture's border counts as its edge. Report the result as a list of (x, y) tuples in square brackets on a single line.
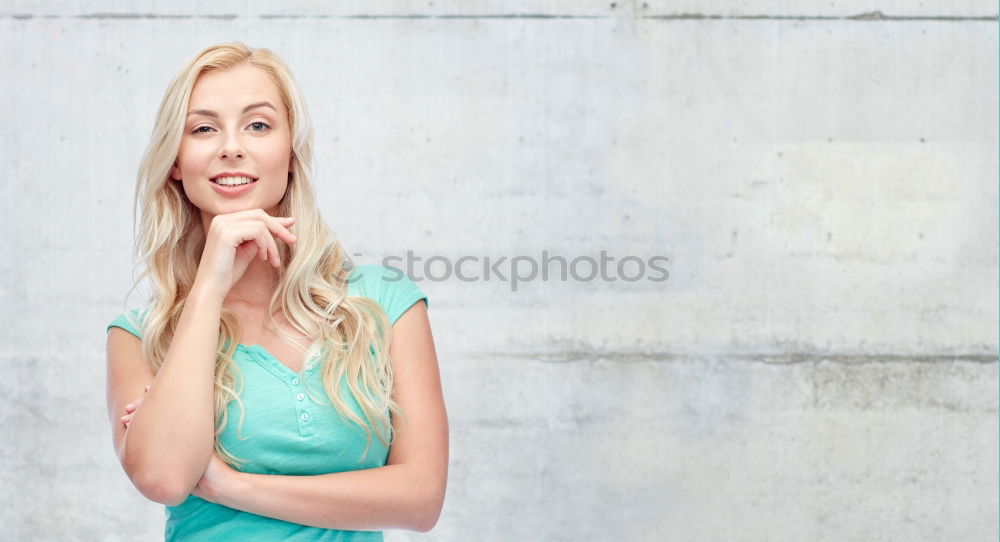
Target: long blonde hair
[(352, 333)]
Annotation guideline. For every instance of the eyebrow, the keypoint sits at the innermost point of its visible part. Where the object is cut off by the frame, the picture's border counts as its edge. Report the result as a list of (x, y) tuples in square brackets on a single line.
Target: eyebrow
[(210, 113)]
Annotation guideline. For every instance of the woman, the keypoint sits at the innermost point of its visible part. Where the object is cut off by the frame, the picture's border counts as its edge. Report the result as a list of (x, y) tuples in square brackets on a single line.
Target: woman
[(269, 391)]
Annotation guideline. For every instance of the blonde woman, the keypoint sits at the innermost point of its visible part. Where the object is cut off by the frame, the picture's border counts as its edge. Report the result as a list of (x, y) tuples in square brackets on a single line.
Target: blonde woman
[(268, 390)]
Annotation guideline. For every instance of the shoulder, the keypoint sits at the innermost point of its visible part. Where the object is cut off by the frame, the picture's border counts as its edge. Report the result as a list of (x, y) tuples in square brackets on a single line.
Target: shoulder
[(388, 286), (130, 321)]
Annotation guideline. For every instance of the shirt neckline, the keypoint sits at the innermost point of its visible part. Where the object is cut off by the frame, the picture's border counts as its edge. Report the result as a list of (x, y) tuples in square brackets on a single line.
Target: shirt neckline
[(274, 363)]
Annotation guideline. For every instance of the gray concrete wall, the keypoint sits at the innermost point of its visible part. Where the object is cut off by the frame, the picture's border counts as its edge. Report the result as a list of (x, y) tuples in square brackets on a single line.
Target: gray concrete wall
[(820, 364)]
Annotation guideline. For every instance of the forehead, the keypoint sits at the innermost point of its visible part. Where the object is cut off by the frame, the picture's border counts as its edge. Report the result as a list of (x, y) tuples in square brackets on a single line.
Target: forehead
[(232, 89)]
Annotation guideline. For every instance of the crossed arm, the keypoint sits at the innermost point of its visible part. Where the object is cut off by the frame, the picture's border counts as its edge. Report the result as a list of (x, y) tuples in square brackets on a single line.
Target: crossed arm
[(406, 493)]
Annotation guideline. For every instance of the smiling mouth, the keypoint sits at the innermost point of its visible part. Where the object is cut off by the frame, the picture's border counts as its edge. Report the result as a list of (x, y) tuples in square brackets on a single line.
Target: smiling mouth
[(233, 181)]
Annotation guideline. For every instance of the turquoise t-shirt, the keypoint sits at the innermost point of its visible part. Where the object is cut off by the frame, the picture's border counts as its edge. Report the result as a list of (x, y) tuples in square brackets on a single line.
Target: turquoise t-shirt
[(289, 427)]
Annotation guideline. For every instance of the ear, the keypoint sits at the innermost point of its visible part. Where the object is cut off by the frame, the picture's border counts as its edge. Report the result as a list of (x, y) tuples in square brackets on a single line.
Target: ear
[(175, 172)]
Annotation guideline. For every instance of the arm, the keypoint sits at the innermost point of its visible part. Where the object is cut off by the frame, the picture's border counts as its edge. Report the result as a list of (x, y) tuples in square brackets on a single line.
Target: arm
[(169, 440), (406, 493), (166, 447)]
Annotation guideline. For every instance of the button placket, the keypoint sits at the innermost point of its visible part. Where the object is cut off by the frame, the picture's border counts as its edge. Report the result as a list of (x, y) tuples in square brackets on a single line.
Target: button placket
[(292, 381), (304, 426)]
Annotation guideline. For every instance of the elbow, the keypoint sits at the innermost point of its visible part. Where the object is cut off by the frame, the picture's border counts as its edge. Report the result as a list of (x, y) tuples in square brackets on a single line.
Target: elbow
[(425, 522), (156, 480), (161, 490), (426, 525), (430, 509), (155, 483)]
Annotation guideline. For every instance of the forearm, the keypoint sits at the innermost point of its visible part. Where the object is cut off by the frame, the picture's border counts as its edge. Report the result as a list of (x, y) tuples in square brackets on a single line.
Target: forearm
[(389, 497), (171, 436)]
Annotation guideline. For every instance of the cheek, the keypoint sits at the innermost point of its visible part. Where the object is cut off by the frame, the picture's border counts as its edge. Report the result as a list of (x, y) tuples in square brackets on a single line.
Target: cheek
[(192, 156), (189, 188), (278, 189)]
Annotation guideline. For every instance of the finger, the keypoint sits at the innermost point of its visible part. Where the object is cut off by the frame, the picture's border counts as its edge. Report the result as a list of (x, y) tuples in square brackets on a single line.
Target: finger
[(246, 233), (263, 239), (283, 231), (279, 226), (272, 246), (264, 236), (261, 243)]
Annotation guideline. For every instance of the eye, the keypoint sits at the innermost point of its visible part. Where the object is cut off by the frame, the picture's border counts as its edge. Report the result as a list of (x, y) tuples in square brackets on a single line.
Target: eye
[(264, 124), (198, 129)]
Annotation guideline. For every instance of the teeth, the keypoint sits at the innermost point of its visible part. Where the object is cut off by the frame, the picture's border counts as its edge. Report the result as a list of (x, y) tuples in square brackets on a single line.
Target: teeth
[(233, 181)]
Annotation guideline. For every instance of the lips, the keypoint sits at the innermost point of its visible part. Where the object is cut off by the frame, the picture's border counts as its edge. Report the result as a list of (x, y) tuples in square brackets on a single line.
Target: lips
[(233, 190)]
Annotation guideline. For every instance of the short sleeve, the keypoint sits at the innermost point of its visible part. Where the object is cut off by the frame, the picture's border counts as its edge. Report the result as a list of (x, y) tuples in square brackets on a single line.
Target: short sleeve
[(398, 294), (389, 287), (129, 321)]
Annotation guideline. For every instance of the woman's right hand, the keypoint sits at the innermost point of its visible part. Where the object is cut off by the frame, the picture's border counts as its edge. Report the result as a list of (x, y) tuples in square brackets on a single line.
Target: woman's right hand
[(233, 240)]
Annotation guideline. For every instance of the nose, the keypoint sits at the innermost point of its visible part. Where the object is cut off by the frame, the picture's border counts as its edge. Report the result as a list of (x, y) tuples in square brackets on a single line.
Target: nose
[(231, 146)]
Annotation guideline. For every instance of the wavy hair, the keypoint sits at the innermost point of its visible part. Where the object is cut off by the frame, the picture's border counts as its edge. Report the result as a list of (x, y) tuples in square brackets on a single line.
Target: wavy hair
[(351, 333)]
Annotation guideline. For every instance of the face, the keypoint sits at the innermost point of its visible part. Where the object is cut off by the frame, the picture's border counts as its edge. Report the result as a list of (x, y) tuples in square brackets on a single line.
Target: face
[(236, 124)]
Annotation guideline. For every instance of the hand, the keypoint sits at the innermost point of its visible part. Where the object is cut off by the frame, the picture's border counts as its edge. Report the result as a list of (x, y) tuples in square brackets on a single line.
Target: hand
[(217, 478), (131, 408), (231, 243)]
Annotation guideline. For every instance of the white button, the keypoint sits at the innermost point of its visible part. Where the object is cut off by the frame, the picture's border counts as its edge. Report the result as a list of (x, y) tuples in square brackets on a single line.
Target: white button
[(305, 416), (295, 381), (311, 366), (300, 396)]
